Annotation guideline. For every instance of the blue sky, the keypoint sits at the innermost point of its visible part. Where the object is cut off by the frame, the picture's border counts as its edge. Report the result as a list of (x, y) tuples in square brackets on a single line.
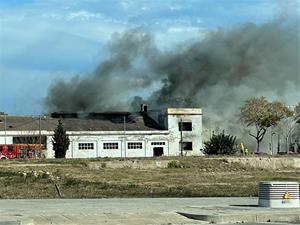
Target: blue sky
[(45, 40)]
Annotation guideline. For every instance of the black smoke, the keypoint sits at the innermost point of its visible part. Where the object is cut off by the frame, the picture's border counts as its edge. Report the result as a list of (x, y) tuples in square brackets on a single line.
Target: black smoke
[(217, 72)]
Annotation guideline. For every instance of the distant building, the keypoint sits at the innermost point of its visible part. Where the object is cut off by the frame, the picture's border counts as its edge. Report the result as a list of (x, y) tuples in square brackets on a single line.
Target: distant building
[(169, 132)]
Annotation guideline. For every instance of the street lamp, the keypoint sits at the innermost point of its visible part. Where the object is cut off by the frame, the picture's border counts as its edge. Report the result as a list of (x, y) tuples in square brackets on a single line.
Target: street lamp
[(5, 128), (272, 146), (4, 115)]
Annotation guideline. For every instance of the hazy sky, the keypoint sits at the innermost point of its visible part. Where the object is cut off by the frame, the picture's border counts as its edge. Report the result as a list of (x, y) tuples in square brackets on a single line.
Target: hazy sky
[(43, 40)]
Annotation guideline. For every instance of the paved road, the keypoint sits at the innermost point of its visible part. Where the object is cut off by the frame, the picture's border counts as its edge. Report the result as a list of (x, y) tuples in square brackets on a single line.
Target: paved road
[(132, 211)]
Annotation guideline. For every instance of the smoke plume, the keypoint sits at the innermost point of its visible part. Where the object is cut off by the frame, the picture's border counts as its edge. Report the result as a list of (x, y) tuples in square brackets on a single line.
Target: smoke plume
[(216, 73)]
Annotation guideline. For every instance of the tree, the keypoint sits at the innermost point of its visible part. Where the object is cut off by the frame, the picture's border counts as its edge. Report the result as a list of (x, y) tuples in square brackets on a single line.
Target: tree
[(262, 114), (60, 141), (220, 144)]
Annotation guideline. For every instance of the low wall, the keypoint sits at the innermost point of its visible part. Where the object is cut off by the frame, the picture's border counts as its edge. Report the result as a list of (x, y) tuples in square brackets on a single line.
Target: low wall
[(268, 162), (130, 163), (272, 163)]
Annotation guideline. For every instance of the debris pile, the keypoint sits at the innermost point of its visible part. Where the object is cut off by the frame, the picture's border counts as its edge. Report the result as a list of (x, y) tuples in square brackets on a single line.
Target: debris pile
[(38, 174)]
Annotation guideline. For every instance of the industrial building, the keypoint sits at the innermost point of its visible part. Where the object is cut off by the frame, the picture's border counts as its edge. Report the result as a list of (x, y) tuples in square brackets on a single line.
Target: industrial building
[(147, 133)]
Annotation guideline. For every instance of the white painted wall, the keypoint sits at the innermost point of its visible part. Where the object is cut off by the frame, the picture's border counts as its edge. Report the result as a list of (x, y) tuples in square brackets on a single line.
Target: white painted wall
[(175, 116), (121, 139), (7, 139), (170, 119)]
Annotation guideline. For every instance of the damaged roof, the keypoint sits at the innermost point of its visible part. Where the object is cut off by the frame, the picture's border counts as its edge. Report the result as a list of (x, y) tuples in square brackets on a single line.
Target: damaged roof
[(92, 122)]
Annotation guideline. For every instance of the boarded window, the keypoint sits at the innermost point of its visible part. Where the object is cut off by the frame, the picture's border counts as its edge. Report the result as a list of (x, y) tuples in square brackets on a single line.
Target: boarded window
[(111, 145), (86, 146), (187, 146), (185, 126), (135, 145)]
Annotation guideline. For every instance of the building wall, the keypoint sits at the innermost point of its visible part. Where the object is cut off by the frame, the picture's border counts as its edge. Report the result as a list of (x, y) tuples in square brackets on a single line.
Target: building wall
[(7, 140), (98, 142), (90, 144), (175, 117)]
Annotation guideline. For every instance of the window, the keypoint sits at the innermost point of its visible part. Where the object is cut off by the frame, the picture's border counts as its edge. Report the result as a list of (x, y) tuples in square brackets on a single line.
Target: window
[(10, 148), (158, 143), (186, 126), (30, 140), (135, 145), (187, 146), (112, 145), (86, 146)]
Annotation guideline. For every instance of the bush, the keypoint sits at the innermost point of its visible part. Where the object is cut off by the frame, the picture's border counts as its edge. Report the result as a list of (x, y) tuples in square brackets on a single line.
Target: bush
[(220, 144), (174, 164)]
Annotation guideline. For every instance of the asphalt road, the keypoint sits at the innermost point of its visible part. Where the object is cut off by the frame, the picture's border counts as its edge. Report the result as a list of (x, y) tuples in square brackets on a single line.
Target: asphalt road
[(131, 211)]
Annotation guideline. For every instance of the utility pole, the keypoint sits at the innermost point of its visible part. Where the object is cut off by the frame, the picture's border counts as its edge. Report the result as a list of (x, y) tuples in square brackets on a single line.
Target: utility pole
[(124, 129), (181, 138), (272, 144), (4, 128), (40, 133), (278, 144)]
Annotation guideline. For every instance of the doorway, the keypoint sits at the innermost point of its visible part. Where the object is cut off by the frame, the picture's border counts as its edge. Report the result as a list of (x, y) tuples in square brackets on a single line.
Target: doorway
[(158, 151)]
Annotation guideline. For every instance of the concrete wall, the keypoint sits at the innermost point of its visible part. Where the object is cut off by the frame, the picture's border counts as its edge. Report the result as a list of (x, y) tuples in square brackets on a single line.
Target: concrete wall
[(122, 140), (174, 117), (272, 163)]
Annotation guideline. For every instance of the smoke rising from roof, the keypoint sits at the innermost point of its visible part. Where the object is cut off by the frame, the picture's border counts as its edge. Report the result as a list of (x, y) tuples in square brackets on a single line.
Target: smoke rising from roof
[(217, 73)]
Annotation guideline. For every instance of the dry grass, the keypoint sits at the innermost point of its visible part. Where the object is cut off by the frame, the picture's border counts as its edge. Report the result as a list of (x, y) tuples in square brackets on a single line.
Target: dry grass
[(196, 177)]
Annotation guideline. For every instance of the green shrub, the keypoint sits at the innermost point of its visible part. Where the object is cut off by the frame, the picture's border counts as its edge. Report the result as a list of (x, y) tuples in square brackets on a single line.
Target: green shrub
[(8, 174), (220, 144), (174, 164)]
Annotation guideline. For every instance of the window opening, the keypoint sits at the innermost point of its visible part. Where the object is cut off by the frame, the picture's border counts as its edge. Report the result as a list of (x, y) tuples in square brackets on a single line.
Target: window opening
[(111, 145), (158, 143), (135, 145), (185, 126), (187, 146), (85, 146)]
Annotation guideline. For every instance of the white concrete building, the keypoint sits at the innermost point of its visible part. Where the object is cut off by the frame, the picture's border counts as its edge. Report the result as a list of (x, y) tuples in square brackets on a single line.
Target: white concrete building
[(169, 132)]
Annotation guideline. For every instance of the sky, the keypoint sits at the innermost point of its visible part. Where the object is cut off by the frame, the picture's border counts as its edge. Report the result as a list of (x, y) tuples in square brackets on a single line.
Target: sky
[(42, 41)]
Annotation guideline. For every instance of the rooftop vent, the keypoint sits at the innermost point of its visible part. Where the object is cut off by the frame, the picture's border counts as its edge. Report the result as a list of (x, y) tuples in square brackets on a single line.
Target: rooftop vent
[(276, 194), (144, 108)]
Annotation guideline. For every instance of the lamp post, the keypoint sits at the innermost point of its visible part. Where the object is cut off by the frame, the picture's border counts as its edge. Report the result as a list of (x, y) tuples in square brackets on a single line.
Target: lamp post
[(4, 123), (181, 138), (124, 130), (272, 146), (5, 128), (278, 143)]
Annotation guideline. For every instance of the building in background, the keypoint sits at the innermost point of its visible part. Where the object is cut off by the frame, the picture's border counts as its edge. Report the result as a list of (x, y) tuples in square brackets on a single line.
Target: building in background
[(148, 133)]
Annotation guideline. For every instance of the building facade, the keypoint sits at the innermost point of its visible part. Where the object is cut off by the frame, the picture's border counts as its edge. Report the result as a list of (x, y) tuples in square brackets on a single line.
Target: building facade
[(169, 132)]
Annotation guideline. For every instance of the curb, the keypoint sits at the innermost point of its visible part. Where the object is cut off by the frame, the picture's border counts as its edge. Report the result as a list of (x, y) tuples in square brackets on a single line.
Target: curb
[(245, 216), (17, 222)]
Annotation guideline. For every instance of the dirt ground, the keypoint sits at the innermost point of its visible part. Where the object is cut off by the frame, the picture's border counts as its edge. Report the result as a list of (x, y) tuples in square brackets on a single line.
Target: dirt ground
[(163, 177)]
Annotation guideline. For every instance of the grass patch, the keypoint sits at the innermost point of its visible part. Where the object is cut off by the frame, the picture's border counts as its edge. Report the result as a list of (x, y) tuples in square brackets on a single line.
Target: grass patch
[(183, 177), (8, 174)]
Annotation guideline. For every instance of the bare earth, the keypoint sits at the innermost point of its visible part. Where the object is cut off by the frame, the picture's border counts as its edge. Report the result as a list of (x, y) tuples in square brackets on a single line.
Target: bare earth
[(155, 177)]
